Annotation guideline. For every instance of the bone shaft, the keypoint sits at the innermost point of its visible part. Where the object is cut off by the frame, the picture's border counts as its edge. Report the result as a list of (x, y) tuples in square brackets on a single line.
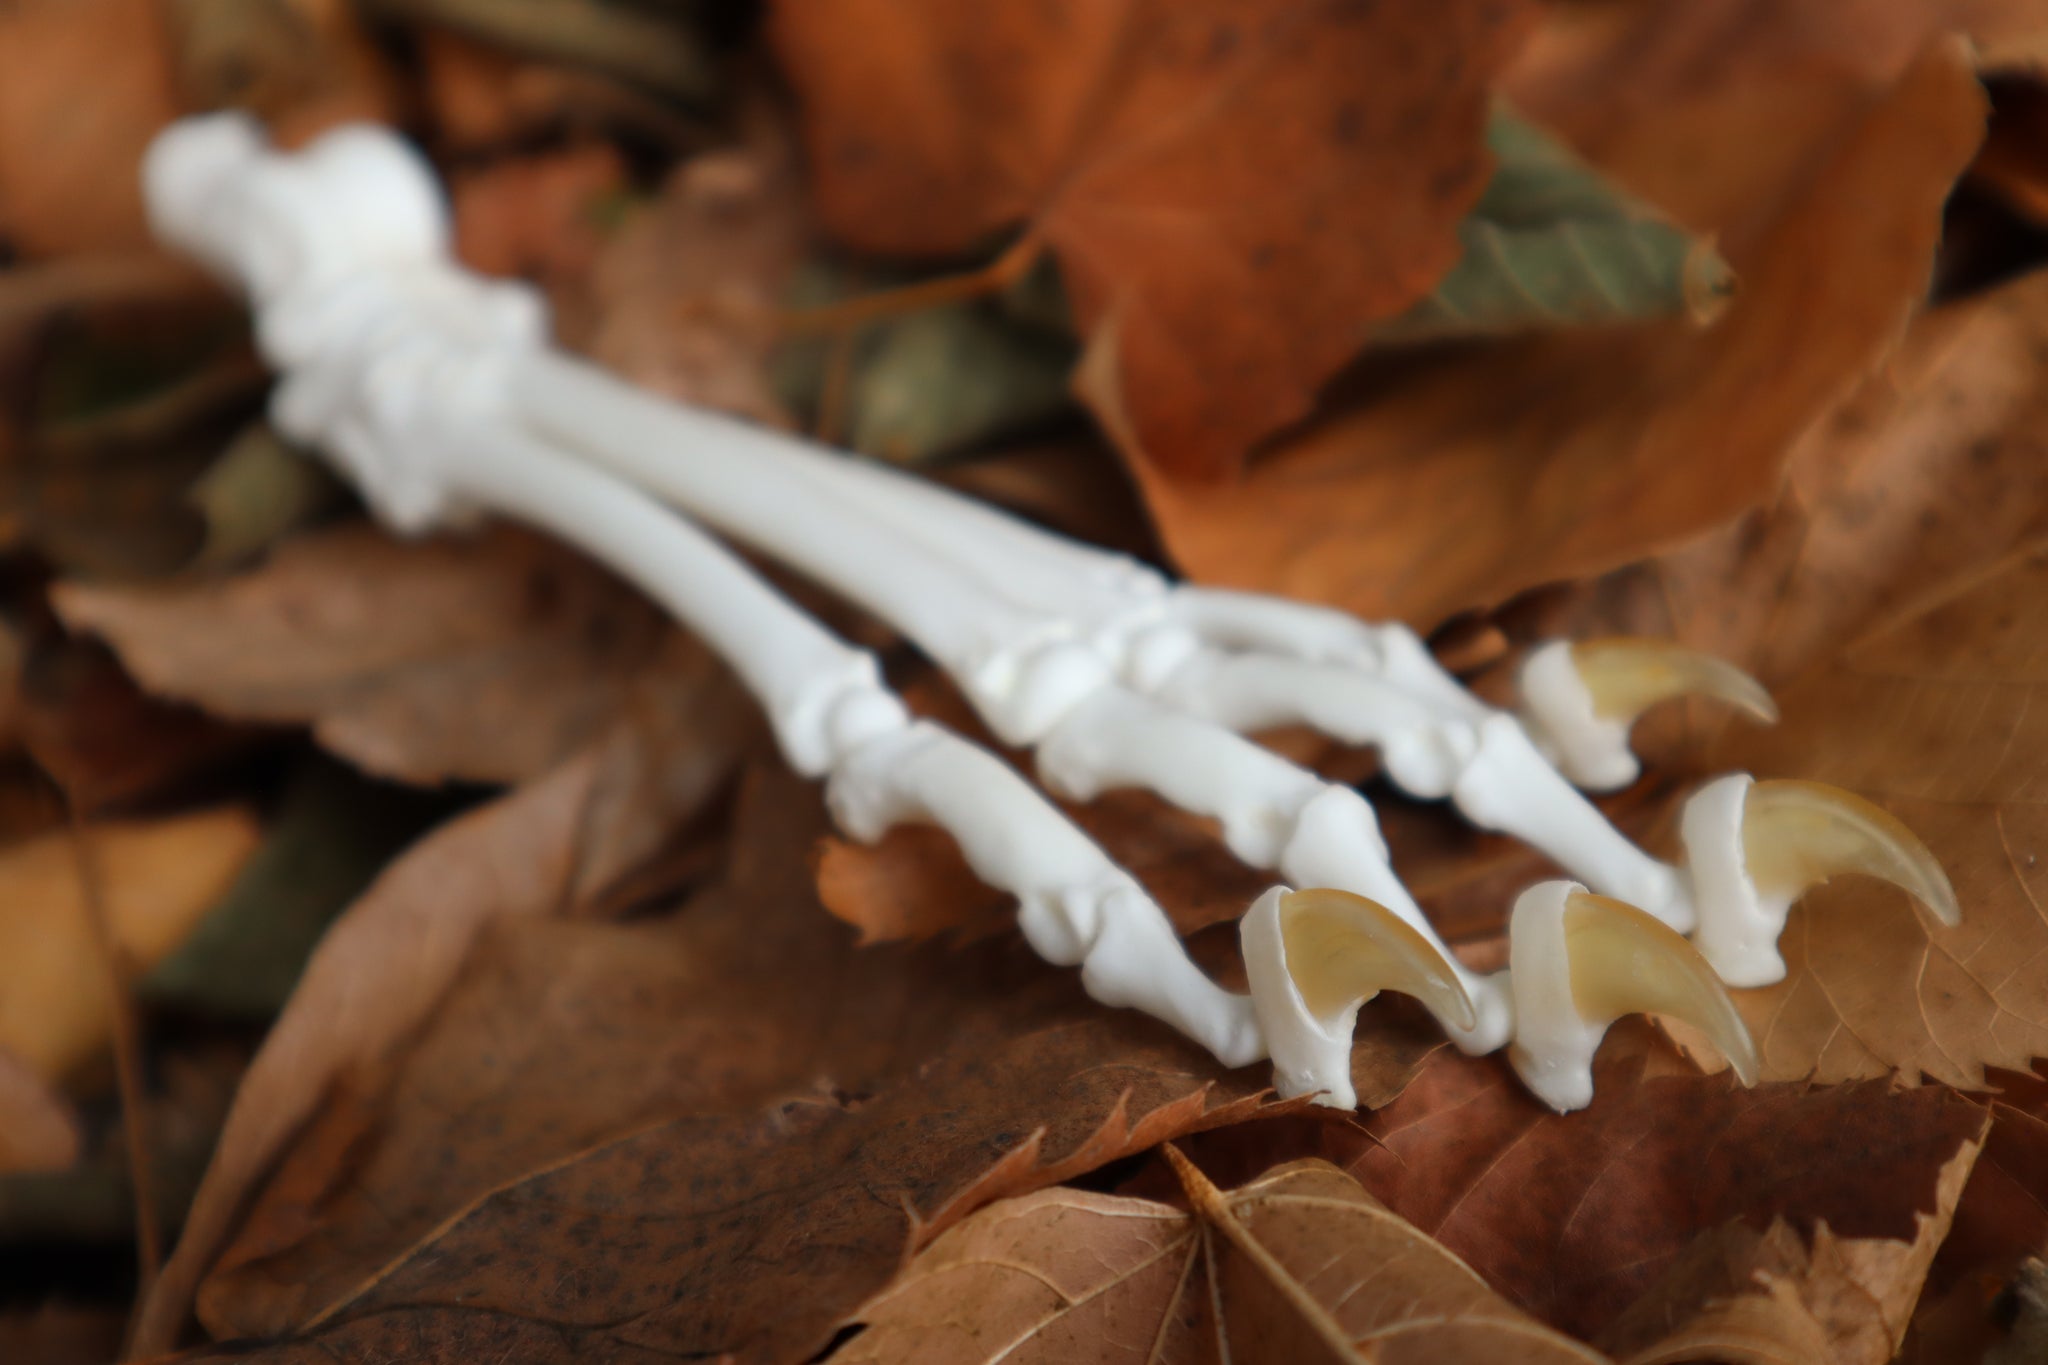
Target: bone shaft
[(778, 651), (1075, 906), (1509, 786), (951, 575)]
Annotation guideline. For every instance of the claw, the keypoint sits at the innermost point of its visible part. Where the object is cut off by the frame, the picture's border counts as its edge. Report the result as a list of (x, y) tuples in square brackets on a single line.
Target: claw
[(1754, 848), (1313, 958), (1578, 962), (1580, 700)]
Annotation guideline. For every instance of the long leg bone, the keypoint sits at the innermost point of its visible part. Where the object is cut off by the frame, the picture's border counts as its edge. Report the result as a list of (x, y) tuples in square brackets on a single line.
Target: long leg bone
[(437, 393)]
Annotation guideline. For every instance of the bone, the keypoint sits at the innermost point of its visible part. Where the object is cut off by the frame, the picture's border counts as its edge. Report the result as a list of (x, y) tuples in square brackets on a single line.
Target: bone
[(1423, 747), (1273, 814), (1581, 700), (1511, 787), (1313, 957), (1754, 848), (1578, 962)]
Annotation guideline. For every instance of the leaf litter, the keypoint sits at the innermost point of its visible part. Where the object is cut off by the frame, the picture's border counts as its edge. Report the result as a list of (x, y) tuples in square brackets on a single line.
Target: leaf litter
[(1601, 318)]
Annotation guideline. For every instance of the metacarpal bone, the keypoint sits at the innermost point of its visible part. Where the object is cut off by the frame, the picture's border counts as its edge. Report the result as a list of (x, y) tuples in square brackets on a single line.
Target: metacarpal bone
[(1581, 699), (1577, 962), (1754, 848), (1313, 957), (1273, 814)]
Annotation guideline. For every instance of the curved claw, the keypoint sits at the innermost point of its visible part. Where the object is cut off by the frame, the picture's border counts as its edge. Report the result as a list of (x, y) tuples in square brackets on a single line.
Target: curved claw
[(1581, 699), (1577, 962), (1754, 848), (1313, 958)]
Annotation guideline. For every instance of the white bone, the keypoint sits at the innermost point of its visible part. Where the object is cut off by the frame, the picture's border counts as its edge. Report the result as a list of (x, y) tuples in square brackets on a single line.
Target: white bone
[(436, 392), (401, 367), (1558, 709), (1273, 813), (1738, 924), (1311, 1055), (1554, 1044)]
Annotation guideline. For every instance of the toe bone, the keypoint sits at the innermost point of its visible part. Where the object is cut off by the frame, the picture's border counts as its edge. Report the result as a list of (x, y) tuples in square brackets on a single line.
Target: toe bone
[(1754, 848), (1581, 699), (1578, 962), (1313, 957)]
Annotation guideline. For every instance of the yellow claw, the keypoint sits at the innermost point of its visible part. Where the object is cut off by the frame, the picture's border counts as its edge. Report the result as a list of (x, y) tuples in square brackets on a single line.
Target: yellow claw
[(1623, 961), (1796, 835), (1342, 948), (1627, 675)]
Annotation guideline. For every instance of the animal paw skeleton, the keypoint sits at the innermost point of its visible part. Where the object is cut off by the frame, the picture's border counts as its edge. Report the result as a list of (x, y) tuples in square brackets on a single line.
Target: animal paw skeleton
[(438, 394)]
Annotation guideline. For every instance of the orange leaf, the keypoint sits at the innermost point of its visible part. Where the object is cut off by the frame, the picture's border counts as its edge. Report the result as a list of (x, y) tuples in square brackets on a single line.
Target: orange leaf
[(1234, 189), (1461, 480)]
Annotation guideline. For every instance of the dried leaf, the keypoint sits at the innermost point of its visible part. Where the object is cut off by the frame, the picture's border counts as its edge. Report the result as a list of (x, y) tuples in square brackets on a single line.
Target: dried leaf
[(469, 1197), (105, 743), (945, 379), (302, 66), (131, 418), (1230, 200), (1568, 454), (1929, 473), (38, 1130), (1574, 1217), (542, 216), (70, 178), (1299, 1265), (259, 490), (686, 298), (1771, 1298), (551, 847), (656, 48), (159, 878), (486, 658), (330, 835), (1552, 244), (1933, 715)]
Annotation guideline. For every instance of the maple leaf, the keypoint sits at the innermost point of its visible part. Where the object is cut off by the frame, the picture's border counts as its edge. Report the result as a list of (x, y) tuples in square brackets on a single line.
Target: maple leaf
[(1234, 190), (1570, 454), (1301, 1265)]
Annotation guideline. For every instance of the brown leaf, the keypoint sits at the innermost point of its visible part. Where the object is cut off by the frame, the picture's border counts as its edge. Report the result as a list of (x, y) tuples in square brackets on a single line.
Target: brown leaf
[(1573, 1217), (1456, 481), (1233, 191), (485, 658), (159, 877), (687, 297), (1934, 716), (84, 85), (537, 216), (1929, 473), (935, 1084), (551, 847), (38, 1130), (1299, 1265), (1775, 1297)]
